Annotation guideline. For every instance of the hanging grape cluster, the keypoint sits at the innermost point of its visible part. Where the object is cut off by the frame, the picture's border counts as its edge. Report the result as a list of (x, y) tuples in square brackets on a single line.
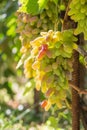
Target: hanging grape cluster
[(78, 13), (50, 64), (29, 26), (46, 53)]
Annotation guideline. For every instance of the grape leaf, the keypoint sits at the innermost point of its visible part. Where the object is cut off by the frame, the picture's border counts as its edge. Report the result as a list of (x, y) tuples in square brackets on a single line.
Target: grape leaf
[(30, 6), (42, 4)]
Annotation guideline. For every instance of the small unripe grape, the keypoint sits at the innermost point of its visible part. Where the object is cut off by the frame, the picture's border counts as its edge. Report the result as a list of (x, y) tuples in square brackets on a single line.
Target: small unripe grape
[(62, 7), (35, 31), (45, 21), (25, 19), (39, 23), (49, 13), (54, 65), (33, 19), (42, 15), (44, 26), (48, 68)]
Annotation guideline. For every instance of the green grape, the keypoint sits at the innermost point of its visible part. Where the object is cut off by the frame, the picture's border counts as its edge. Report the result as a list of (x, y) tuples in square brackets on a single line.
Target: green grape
[(50, 79), (83, 10), (49, 71), (62, 7), (35, 31), (67, 49), (45, 27), (57, 72), (58, 45), (57, 53), (48, 68), (49, 13), (66, 54), (43, 15), (54, 65)]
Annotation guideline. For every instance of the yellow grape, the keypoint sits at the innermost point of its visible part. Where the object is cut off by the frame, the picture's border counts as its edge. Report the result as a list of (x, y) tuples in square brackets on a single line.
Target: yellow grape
[(38, 84), (44, 87), (34, 51), (36, 65), (37, 41), (59, 104)]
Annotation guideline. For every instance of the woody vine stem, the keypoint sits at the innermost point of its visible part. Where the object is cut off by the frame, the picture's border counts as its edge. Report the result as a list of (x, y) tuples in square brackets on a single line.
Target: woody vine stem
[(68, 23)]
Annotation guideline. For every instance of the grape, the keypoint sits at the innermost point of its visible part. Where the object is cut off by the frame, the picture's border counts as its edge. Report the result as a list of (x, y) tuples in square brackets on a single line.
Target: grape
[(36, 65), (42, 51), (48, 106), (54, 65), (44, 103), (43, 21), (48, 68), (50, 92)]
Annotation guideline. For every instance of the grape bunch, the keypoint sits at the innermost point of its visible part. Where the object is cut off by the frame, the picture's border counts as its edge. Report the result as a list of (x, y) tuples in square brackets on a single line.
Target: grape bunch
[(78, 13), (29, 26), (50, 64), (46, 53)]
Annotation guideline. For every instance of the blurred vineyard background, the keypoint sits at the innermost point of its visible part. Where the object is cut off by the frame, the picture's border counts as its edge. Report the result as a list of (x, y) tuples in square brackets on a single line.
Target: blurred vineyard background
[(19, 103)]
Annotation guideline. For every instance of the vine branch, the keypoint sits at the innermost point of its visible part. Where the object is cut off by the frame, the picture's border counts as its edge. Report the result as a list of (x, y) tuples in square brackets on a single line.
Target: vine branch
[(78, 89), (70, 24)]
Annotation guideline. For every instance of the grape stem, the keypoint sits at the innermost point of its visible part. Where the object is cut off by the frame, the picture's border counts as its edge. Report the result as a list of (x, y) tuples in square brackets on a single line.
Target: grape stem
[(78, 89)]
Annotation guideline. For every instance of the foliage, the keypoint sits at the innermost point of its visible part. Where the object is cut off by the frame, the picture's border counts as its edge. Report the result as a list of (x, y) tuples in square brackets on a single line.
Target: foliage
[(77, 12), (8, 47), (28, 5)]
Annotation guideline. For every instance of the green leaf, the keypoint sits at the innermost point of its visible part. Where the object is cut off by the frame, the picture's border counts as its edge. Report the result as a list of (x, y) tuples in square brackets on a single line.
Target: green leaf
[(30, 6), (42, 3)]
